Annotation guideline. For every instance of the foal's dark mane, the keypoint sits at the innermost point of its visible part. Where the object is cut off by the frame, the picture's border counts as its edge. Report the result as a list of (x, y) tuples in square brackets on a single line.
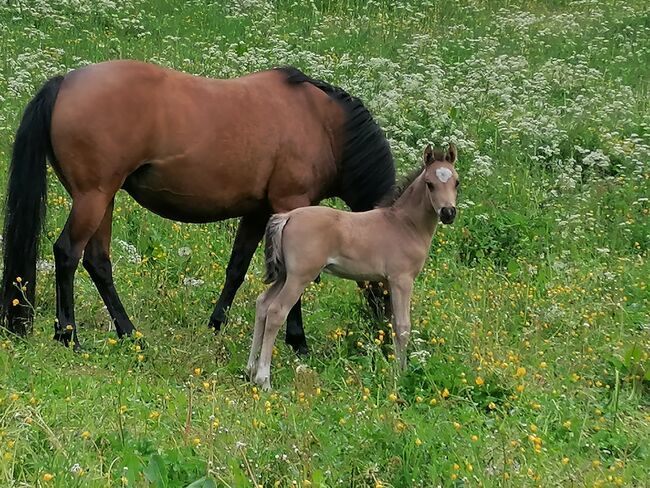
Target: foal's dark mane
[(399, 188), (367, 166)]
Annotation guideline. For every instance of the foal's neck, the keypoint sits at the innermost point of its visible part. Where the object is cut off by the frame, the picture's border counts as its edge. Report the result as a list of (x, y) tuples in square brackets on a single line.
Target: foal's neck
[(414, 208)]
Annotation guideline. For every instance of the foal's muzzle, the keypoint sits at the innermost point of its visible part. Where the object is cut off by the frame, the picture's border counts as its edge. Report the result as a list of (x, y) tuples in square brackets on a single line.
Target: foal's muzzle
[(447, 214)]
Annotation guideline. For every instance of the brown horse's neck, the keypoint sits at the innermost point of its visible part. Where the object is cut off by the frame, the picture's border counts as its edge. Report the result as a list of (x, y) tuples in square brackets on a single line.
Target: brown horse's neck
[(415, 208)]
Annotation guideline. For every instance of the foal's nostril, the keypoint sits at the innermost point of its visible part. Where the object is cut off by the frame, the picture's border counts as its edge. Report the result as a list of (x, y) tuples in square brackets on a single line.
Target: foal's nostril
[(447, 214)]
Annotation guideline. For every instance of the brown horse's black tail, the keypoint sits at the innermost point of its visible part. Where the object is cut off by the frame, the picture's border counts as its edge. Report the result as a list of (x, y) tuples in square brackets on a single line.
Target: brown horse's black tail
[(25, 208)]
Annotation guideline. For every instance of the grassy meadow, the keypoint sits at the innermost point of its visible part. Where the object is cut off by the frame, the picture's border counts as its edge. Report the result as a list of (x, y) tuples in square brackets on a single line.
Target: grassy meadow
[(530, 355)]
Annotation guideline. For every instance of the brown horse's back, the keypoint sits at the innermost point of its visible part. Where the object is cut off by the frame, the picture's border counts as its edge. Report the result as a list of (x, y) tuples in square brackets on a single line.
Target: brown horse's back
[(192, 148)]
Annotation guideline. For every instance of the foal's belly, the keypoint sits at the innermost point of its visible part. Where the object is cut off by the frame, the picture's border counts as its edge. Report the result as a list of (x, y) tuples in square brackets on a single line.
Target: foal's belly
[(352, 270), (190, 196)]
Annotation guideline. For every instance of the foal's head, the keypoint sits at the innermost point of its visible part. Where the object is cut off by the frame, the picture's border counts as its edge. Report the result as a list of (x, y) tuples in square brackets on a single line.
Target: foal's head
[(442, 182)]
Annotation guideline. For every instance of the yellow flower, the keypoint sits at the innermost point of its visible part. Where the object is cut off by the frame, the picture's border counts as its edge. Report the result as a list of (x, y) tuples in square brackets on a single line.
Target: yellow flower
[(15, 302), (138, 334), (433, 401), (595, 463), (14, 396), (567, 424), (19, 279), (196, 441), (543, 365), (123, 409), (456, 425), (85, 435), (445, 393), (215, 424), (418, 442), (418, 399), (111, 341), (520, 388), (154, 415), (533, 428), (197, 371), (474, 438), (521, 372), (392, 397), (492, 405), (565, 460), (48, 477), (479, 381)]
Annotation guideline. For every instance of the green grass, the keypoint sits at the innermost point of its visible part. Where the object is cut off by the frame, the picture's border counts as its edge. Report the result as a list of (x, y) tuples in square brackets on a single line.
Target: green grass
[(530, 352)]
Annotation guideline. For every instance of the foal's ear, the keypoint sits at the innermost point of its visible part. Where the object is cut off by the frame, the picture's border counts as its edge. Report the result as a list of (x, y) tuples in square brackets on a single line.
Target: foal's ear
[(452, 153), (428, 155)]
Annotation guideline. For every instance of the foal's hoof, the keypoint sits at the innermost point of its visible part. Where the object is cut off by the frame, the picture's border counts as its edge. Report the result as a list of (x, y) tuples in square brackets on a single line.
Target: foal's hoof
[(263, 382)]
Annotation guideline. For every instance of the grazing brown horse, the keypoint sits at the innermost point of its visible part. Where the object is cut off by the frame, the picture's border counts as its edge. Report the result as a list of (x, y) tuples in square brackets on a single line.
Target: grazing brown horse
[(187, 148), (306, 241)]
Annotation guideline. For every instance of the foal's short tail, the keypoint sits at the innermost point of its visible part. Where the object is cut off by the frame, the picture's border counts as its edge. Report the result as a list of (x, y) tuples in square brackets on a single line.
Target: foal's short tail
[(25, 208), (275, 266)]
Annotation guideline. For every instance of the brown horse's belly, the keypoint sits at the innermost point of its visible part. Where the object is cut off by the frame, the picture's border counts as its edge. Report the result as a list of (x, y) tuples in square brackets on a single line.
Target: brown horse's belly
[(173, 200)]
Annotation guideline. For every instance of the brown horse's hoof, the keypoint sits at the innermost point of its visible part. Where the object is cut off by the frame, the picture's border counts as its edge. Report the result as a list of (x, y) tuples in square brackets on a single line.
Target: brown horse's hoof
[(66, 339), (298, 344)]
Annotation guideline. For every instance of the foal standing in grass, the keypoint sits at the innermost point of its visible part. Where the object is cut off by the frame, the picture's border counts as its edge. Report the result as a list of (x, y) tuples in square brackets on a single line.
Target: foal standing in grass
[(389, 243)]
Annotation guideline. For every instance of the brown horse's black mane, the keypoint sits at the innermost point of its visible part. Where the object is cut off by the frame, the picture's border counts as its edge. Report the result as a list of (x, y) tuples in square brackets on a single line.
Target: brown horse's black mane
[(368, 169)]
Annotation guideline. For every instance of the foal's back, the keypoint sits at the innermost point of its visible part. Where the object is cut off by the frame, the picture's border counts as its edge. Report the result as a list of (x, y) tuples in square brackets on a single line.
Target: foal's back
[(352, 245)]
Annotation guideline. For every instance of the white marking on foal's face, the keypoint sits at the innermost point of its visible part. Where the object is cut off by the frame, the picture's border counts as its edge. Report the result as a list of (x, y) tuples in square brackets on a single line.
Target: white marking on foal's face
[(443, 174)]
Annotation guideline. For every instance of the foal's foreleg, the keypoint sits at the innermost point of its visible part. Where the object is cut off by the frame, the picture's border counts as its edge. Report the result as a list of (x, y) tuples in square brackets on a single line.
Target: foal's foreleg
[(400, 290), (84, 219), (276, 314), (249, 234), (97, 262)]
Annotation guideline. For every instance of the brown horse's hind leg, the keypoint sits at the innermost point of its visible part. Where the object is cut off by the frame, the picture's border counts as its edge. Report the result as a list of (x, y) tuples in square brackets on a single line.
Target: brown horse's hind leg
[(97, 262), (249, 234), (84, 219)]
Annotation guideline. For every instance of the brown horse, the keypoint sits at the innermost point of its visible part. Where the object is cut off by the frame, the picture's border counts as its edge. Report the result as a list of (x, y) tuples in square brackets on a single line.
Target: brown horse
[(187, 148), (306, 241)]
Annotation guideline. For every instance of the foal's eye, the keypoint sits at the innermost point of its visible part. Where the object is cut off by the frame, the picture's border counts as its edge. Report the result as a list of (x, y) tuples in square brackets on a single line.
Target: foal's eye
[(429, 185), (457, 183)]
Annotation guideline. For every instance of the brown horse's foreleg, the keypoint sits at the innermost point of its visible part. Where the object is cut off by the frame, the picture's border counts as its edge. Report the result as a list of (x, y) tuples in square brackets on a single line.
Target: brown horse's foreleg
[(84, 219), (249, 234), (295, 335), (97, 262), (378, 298)]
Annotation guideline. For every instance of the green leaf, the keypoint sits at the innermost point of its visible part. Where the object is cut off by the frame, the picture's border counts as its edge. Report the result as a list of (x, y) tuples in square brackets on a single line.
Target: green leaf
[(203, 483), (156, 471)]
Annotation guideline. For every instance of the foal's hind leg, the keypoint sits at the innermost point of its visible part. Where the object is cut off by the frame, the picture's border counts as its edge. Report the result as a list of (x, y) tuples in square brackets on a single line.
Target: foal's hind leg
[(276, 314), (261, 306), (97, 262), (84, 219), (249, 234)]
